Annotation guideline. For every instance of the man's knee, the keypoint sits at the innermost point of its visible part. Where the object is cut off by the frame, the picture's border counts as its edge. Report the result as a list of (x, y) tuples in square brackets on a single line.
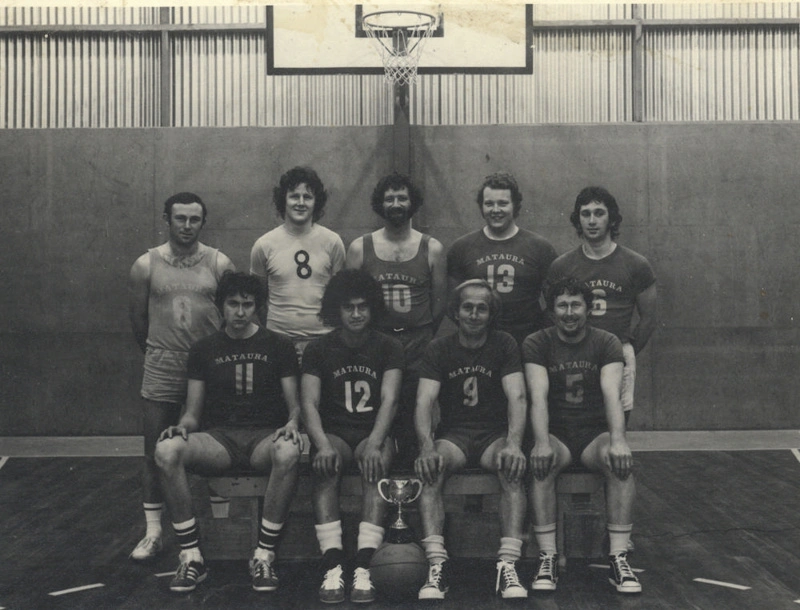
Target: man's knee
[(168, 453), (285, 454)]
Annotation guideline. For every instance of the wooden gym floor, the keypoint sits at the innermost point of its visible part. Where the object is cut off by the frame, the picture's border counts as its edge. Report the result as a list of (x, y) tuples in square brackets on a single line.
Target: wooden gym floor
[(716, 527)]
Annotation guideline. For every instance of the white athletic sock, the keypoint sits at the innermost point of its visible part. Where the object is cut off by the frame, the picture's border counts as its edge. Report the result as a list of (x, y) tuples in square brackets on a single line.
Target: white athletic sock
[(329, 535), (434, 549), (152, 518), (510, 549), (370, 535), (618, 537), (546, 537)]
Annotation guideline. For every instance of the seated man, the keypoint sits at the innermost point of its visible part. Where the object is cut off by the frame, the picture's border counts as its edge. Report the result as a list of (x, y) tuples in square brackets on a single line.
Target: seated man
[(242, 386), (574, 373), (476, 375), (350, 386)]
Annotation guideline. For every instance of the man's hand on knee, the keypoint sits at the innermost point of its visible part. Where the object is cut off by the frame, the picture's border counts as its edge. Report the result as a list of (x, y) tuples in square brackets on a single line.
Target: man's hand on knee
[(172, 431), (429, 465), (542, 460), (510, 461)]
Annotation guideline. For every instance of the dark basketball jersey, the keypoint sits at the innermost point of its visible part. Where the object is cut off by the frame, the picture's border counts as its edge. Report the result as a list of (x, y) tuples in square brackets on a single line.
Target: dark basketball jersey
[(351, 377), (406, 285), (515, 267), (616, 280), (471, 393), (573, 370), (243, 378)]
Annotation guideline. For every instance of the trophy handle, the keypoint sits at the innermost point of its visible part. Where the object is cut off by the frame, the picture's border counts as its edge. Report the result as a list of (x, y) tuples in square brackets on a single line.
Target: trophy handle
[(381, 484), (419, 488)]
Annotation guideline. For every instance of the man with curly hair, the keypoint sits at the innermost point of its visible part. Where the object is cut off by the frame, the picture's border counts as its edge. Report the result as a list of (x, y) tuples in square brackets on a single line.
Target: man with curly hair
[(350, 384), (296, 259), (410, 267)]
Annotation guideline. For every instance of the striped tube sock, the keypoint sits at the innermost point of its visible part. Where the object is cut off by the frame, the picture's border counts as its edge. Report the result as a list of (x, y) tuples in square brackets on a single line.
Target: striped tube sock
[(187, 534), (268, 535)]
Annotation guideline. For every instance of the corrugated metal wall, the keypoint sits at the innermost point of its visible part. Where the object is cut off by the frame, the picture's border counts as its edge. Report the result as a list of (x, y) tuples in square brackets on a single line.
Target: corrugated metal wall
[(581, 74)]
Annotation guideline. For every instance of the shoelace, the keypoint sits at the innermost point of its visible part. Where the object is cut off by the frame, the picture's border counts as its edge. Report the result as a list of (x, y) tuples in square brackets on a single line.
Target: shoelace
[(508, 571), (546, 567), (624, 569), (186, 570), (434, 575), (361, 579), (333, 579), (262, 568)]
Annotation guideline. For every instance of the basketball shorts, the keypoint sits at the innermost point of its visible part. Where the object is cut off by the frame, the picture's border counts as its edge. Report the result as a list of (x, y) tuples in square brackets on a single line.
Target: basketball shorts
[(164, 378), (473, 443), (628, 377), (351, 436), (240, 442), (576, 438)]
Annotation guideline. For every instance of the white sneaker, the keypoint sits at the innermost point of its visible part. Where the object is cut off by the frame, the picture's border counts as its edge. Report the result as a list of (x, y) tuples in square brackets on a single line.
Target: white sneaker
[(362, 591), (622, 576), (332, 589), (507, 583), (547, 573), (148, 547), (436, 586)]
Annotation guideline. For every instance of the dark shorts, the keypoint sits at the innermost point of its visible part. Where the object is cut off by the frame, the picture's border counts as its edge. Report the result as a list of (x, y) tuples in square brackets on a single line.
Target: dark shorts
[(351, 436), (240, 442), (473, 443), (576, 438)]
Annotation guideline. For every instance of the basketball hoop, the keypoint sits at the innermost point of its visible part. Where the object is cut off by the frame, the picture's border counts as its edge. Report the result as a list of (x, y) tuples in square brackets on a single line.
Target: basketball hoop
[(399, 37)]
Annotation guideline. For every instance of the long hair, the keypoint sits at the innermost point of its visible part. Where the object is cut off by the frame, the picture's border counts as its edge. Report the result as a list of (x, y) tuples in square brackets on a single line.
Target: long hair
[(350, 284), (292, 179), (599, 195)]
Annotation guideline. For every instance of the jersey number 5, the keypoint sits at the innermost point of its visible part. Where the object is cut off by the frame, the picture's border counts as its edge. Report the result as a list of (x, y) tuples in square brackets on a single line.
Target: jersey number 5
[(361, 388), (575, 388)]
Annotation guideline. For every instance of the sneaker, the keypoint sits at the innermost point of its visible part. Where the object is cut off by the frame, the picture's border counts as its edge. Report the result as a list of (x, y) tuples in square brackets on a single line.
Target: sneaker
[(362, 591), (547, 574), (264, 576), (436, 585), (507, 583), (188, 575), (148, 547), (332, 589), (623, 577)]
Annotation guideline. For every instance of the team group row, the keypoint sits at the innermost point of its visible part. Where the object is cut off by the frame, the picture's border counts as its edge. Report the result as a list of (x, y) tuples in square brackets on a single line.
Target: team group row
[(367, 389)]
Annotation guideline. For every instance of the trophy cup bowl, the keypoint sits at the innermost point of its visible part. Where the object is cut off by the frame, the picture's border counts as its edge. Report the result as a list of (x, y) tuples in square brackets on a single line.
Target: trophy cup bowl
[(399, 492)]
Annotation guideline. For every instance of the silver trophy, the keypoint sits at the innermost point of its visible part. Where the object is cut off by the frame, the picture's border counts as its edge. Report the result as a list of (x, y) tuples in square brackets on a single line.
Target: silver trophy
[(399, 492)]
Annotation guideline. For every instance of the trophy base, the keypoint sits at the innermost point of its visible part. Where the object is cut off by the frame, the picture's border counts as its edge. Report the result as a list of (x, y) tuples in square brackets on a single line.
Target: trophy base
[(400, 536)]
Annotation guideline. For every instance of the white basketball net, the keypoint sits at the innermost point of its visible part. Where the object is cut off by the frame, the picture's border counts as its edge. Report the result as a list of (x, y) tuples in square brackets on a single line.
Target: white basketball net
[(399, 37)]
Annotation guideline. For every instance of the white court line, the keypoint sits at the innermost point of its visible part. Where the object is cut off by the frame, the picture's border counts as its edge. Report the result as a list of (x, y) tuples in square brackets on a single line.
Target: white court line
[(76, 589), (163, 574), (608, 567), (730, 585), (4, 459), (797, 601), (796, 454)]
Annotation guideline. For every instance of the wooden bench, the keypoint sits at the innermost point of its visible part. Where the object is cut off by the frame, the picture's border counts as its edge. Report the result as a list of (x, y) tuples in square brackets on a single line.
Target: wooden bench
[(471, 501)]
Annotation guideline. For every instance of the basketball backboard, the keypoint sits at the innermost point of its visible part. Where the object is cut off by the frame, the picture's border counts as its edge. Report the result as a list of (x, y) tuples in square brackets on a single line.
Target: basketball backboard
[(327, 38)]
